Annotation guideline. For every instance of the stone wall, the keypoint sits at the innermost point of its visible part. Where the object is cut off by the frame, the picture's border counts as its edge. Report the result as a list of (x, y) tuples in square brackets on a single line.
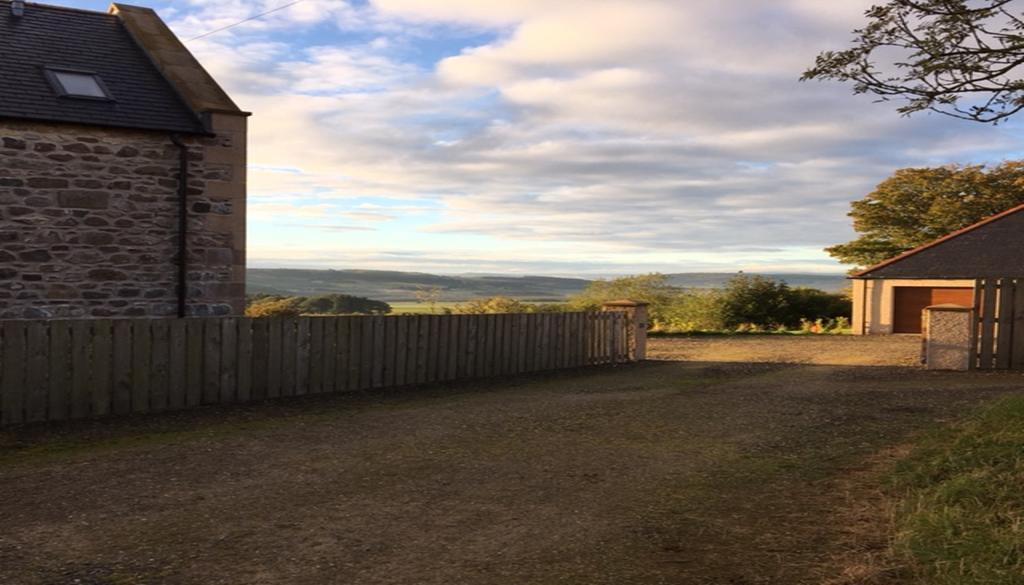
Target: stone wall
[(89, 222)]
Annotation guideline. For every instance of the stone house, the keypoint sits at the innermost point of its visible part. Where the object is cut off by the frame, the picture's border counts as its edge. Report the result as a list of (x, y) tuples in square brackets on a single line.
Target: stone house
[(122, 170), (889, 297)]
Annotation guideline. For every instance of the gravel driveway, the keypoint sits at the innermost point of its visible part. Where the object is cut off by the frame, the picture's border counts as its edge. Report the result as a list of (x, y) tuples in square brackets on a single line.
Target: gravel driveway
[(723, 469)]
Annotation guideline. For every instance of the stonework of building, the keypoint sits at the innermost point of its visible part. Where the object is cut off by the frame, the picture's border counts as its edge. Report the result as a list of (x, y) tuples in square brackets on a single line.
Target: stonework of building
[(92, 215)]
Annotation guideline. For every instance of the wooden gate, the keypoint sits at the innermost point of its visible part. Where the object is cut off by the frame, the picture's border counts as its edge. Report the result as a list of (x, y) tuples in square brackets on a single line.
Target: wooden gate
[(999, 327)]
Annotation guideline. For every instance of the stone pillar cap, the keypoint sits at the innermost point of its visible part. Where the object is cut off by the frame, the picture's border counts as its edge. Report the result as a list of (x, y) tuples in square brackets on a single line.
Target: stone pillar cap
[(949, 307), (625, 303)]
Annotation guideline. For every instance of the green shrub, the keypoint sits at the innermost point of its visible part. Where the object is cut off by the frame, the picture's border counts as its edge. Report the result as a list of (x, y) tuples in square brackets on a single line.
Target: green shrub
[(693, 311)]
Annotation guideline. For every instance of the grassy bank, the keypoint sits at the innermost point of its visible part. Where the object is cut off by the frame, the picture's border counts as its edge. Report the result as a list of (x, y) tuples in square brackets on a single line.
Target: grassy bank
[(960, 516)]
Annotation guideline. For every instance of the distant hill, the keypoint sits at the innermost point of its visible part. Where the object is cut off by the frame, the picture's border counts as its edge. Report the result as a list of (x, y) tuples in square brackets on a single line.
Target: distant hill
[(387, 285), (825, 282)]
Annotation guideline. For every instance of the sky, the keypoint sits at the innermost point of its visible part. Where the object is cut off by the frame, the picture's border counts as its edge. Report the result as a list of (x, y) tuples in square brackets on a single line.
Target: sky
[(570, 138)]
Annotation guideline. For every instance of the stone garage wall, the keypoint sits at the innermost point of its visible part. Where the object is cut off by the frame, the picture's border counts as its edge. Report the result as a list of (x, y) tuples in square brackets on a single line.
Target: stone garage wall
[(89, 222)]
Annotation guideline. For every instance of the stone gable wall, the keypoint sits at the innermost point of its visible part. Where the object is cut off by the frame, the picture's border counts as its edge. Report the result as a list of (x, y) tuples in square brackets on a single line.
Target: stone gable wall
[(89, 223)]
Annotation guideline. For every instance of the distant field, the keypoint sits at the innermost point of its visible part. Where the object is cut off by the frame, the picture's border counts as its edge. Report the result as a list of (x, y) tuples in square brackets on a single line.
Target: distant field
[(399, 308), (404, 307)]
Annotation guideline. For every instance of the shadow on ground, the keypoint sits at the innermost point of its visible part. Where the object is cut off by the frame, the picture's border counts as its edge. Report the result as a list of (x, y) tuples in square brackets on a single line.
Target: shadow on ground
[(703, 472)]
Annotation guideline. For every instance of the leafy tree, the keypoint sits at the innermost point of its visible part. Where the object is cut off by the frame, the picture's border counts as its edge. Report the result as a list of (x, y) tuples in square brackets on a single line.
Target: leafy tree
[(916, 206), (652, 288), (493, 305), (756, 300), (956, 57), (430, 296), (812, 304), (273, 307), (698, 310), (334, 304)]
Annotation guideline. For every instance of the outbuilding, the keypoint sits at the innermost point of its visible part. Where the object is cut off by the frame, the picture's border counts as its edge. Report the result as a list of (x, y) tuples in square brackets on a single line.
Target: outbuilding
[(890, 296), (122, 170)]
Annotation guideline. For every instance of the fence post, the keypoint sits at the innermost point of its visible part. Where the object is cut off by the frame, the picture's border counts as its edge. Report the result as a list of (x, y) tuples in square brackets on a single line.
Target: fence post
[(948, 338), (636, 326)]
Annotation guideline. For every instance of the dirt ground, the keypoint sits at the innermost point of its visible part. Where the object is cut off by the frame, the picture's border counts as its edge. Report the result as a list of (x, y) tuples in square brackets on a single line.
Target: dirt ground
[(729, 462)]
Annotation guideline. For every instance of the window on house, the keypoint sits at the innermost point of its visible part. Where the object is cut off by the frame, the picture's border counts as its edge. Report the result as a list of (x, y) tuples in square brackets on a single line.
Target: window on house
[(78, 84)]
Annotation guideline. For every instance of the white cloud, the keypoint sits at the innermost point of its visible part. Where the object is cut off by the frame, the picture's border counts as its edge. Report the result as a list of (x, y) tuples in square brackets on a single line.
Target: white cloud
[(585, 131)]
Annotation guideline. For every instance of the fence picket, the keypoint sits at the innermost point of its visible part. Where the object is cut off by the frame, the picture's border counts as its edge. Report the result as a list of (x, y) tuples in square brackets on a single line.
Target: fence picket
[(379, 355), (988, 310), (327, 355), (342, 344), (228, 360), (12, 376), (59, 358), (36, 378), (260, 371), (81, 345), (211, 361), (101, 383), (194, 337), (1017, 323), (1004, 323), (289, 355), (160, 331), (122, 366), (142, 361), (177, 365), (316, 355), (275, 345), (303, 344), (355, 350), (243, 371), (390, 350)]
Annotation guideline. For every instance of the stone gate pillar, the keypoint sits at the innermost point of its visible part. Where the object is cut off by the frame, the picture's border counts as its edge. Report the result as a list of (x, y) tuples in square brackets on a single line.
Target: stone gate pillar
[(948, 337), (636, 316)]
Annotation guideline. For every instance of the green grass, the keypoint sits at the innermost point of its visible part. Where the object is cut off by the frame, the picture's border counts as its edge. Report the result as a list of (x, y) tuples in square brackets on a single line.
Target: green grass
[(960, 515)]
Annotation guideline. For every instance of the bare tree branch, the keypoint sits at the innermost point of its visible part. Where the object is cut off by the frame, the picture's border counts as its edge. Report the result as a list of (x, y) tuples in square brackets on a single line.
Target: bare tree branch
[(958, 59)]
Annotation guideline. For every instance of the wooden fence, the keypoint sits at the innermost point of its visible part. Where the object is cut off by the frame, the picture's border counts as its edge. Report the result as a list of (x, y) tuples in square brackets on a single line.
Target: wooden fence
[(55, 370), (999, 328)]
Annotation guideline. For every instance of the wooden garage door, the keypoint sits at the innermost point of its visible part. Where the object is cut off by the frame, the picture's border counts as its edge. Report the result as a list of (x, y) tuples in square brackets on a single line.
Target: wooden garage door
[(909, 301)]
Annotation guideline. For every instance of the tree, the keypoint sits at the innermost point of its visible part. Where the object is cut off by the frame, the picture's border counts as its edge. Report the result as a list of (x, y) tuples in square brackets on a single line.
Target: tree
[(430, 296), (333, 304), (493, 305), (652, 288), (916, 206), (956, 57), (273, 307), (756, 300)]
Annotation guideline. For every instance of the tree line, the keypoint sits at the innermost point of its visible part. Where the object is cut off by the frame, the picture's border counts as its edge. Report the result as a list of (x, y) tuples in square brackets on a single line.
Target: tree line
[(264, 305), (745, 303)]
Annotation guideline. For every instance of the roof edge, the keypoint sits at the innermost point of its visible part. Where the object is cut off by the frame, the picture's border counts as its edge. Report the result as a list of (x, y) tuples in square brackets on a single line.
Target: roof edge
[(200, 129), (864, 273), (199, 90)]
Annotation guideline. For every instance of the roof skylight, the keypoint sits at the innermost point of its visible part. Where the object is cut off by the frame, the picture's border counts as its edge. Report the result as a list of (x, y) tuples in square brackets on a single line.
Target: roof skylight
[(78, 84)]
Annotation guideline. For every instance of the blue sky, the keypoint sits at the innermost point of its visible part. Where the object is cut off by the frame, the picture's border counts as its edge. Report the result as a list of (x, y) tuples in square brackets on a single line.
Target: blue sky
[(579, 137)]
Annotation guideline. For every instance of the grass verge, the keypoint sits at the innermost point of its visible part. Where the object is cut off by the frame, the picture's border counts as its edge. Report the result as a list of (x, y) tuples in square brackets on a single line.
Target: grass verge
[(959, 517)]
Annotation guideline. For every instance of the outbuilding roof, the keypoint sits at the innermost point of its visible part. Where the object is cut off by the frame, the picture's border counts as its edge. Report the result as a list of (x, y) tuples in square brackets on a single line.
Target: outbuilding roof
[(48, 39), (991, 248)]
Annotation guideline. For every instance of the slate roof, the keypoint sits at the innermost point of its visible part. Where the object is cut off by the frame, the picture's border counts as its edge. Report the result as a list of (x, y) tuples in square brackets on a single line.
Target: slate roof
[(991, 248), (53, 36)]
